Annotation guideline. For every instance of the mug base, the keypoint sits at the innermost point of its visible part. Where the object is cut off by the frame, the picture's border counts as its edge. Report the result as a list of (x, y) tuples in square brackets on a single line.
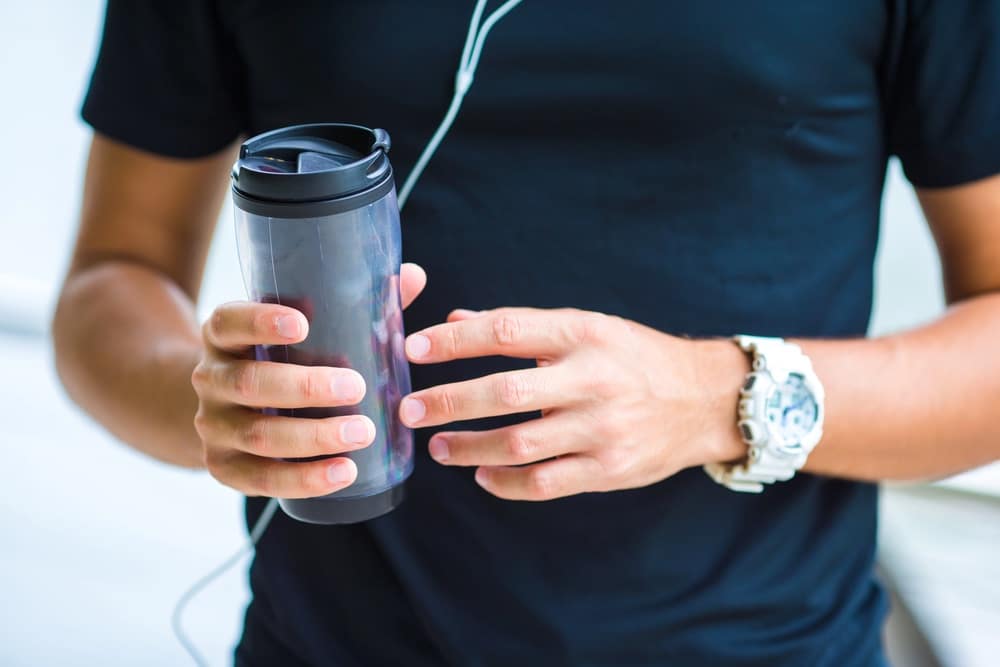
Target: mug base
[(331, 510)]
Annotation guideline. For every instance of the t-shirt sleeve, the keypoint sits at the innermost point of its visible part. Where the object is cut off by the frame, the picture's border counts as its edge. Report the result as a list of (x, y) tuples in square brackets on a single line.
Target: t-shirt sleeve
[(165, 80), (944, 106)]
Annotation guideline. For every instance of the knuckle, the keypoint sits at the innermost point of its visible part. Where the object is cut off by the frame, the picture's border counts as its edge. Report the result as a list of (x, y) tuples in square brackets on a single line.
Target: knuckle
[(262, 481), (261, 322), (519, 446), (309, 386), (216, 324), (594, 327), (255, 435), (200, 376), (202, 423), (246, 380), (604, 433), (325, 436), (615, 462), (447, 403), (319, 434), (571, 326), (597, 386), (214, 464), (600, 433), (452, 340), (542, 484), (506, 330), (310, 480), (590, 386), (575, 333), (513, 391)]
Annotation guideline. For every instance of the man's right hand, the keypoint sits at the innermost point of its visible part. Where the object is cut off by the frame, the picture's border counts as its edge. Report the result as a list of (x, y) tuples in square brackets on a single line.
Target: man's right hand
[(242, 447)]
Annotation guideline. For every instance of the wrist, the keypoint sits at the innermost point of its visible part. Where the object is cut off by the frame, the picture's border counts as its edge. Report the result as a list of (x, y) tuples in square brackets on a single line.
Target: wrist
[(722, 368)]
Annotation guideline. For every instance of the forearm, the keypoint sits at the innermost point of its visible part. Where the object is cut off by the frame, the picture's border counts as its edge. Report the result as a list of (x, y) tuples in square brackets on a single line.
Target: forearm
[(126, 342), (915, 405)]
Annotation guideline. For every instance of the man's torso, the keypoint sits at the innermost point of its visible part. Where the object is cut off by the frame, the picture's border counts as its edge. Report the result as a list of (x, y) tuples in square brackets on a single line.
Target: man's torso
[(703, 168)]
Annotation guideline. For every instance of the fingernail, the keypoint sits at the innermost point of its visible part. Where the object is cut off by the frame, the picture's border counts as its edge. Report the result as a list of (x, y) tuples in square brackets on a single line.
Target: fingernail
[(465, 312), (418, 346), (413, 410), (482, 477), (345, 387), (356, 432), (438, 447), (339, 473), (287, 326)]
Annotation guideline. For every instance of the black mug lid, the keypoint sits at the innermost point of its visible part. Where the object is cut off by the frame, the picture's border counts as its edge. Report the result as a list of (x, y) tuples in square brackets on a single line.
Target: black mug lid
[(312, 163)]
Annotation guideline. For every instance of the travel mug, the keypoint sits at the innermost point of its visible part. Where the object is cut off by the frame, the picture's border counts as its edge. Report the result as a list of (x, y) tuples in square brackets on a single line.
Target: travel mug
[(317, 229)]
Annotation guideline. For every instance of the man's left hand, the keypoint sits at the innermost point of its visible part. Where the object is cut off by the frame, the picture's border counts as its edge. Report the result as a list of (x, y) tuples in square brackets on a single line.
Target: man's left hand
[(623, 405)]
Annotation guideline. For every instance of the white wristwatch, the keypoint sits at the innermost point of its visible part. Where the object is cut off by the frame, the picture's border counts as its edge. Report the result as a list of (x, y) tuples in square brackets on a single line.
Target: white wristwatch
[(780, 416)]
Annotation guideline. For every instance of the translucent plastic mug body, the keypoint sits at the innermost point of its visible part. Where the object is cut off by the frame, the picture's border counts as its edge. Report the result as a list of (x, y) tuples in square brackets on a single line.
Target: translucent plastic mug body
[(318, 230)]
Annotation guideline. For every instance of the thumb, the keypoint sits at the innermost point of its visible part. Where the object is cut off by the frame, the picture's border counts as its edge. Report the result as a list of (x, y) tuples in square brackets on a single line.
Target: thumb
[(412, 281)]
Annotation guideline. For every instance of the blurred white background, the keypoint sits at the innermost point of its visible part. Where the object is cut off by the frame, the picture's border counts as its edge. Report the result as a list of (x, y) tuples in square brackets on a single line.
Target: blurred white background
[(98, 542)]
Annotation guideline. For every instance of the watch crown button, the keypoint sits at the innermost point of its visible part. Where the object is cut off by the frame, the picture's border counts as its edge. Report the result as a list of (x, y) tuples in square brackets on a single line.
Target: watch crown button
[(749, 431)]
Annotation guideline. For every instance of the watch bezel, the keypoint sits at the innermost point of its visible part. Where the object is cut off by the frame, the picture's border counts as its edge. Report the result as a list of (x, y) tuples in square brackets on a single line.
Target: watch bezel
[(753, 422)]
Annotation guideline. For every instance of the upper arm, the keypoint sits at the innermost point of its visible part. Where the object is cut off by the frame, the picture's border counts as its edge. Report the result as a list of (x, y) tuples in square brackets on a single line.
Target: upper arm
[(155, 211), (942, 111), (965, 221)]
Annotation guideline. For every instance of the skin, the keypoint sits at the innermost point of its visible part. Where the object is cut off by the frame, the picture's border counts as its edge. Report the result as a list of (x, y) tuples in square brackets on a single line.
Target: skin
[(622, 405)]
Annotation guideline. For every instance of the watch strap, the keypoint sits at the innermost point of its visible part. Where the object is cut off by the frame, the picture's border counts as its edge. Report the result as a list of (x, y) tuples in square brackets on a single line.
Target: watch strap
[(779, 353), (778, 357)]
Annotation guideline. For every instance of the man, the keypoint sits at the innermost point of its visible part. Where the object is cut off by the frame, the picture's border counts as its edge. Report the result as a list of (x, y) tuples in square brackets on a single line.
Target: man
[(628, 186)]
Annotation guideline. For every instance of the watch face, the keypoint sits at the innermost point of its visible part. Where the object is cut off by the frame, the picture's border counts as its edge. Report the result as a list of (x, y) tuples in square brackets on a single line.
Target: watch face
[(791, 412)]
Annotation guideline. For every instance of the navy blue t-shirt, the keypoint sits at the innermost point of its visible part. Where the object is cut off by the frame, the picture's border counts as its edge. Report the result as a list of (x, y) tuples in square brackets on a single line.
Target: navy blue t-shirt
[(705, 168)]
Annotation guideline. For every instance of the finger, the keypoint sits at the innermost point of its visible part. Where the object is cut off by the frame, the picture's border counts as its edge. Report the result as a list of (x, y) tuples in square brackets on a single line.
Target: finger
[(286, 437), (258, 476), (412, 280), (529, 442), (505, 393), (460, 314), (267, 384), (564, 476), (235, 326), (526, 333)]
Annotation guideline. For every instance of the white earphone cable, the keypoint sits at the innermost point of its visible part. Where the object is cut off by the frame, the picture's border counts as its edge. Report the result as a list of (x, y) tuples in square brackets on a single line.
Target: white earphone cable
[(473, 49), (176, 618), (463, 81)]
